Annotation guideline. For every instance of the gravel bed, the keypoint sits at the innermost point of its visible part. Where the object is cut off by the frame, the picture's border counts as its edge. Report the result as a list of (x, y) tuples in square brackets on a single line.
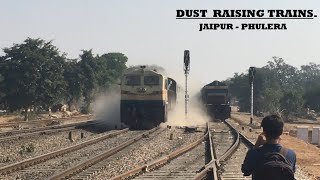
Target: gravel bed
[(252, 136), (142, 152), (19, 149), (187, 166), (48, 168)]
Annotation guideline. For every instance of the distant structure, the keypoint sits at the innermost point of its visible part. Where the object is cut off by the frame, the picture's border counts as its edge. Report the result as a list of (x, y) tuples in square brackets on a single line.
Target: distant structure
[(186, 69), (252, 72)]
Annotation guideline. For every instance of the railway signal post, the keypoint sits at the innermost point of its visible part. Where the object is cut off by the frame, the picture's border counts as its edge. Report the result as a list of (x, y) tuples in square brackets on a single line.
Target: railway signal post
[(252, 72), (186, 69)]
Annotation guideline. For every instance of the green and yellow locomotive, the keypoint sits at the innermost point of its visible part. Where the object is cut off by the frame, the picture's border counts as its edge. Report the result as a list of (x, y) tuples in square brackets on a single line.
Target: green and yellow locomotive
[(146, 97)]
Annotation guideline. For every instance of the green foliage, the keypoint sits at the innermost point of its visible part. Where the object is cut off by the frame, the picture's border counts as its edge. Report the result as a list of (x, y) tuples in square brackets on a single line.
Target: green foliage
[(89, 69), (74, 82), (292, 102), (285, 74), (26, 149), (271, 101), (35, 74), (115, 63), (99, 73), (2, 94), (279, 88), (240, 90), (312, 97)]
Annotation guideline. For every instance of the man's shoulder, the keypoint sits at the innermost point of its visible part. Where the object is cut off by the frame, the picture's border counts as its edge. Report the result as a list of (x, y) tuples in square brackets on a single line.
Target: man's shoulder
[(290, 154), (266, 149), (289, 151)]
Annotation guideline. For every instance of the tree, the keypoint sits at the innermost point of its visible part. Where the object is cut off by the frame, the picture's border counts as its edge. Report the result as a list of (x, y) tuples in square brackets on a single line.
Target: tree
[(33, 75), (89, 69), (286, 75), (312, 97), (309, 75), (99, 73), (111, 66), (292, 102), (74, 82), (279, 87), (115, 63), (240, 90)]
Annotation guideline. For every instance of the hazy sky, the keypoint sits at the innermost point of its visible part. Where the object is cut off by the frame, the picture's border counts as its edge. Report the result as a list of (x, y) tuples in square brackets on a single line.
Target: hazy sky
[(147, 32)]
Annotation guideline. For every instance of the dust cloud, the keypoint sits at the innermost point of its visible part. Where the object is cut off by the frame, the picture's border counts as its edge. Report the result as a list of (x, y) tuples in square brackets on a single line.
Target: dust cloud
[(196, 113), (106, 107)]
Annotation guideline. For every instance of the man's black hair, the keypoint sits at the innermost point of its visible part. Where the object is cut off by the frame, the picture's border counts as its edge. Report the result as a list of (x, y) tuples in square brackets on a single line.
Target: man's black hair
[(272, 126)]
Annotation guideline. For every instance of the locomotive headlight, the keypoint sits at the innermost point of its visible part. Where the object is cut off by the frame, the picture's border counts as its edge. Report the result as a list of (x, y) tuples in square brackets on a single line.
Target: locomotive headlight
[(142, 90)]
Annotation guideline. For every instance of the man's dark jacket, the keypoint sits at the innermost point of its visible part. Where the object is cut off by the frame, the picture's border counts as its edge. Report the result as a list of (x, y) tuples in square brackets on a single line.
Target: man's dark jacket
[(255, 156)]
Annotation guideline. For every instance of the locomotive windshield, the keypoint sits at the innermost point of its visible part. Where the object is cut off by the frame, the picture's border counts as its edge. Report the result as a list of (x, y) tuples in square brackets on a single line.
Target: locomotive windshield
[(133, 80), (151, 80)]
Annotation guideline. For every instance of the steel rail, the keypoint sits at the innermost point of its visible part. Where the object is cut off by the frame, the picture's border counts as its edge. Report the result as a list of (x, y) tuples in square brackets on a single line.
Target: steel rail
[(81, 166), (161, 161), (232, 148), (30, 132), (36, 160), (81, 123), (210, 169), (10, 124), (247, 141), (212, 166)]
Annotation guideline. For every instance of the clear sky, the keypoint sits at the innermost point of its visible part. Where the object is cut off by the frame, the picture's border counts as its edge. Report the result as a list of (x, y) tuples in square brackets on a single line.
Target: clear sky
[(148, 33)]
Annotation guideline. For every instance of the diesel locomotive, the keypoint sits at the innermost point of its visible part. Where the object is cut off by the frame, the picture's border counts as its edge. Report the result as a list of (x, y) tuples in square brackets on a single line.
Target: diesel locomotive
[(146, 97), (215, 98)]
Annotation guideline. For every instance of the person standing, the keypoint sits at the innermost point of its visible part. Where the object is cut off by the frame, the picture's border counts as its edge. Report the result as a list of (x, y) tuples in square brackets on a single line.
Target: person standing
[(268, 159)]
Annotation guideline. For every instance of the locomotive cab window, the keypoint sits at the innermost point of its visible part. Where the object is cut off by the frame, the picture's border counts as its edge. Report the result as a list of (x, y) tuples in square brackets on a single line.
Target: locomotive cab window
[(133, 80), (151, 80)]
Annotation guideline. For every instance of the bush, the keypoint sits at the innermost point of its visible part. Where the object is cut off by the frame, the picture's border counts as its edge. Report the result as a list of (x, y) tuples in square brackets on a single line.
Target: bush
[(26, 149)]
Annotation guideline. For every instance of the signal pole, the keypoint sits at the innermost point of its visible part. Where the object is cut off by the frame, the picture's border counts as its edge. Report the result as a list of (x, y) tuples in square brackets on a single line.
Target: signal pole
[(186, 69), (252, 72)]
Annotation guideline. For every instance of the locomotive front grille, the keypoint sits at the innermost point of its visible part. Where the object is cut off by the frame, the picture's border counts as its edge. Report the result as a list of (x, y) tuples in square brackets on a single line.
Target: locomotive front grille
[(214, 99)]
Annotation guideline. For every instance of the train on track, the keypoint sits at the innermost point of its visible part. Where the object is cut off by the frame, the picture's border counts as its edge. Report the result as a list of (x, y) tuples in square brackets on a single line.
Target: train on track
[(146, 97), (215, 98)]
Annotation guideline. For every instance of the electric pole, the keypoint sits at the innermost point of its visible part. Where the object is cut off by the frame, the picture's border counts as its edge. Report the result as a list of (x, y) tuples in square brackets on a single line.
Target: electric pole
[(186, 69), (252, 72)]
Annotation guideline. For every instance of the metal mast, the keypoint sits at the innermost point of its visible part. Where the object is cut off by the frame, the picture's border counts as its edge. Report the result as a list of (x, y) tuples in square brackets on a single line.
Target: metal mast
[(252, 72), (186, 69)]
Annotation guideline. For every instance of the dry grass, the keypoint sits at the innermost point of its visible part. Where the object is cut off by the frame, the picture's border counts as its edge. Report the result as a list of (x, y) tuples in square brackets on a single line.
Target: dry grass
[(10, 118)]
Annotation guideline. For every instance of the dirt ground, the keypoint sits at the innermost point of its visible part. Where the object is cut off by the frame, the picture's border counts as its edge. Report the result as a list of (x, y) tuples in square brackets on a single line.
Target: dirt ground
[(308, 155), (10, 118), (42, 116)]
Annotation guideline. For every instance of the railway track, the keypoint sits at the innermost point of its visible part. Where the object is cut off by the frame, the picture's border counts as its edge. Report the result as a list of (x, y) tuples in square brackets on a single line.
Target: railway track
[(230, 148), (216, 156), (196, 163), (83, 162), (229, 166), (43, 122), (25, 169), (223, 138), (16, 134), (184, 163), (88, 167), (185, 166)]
